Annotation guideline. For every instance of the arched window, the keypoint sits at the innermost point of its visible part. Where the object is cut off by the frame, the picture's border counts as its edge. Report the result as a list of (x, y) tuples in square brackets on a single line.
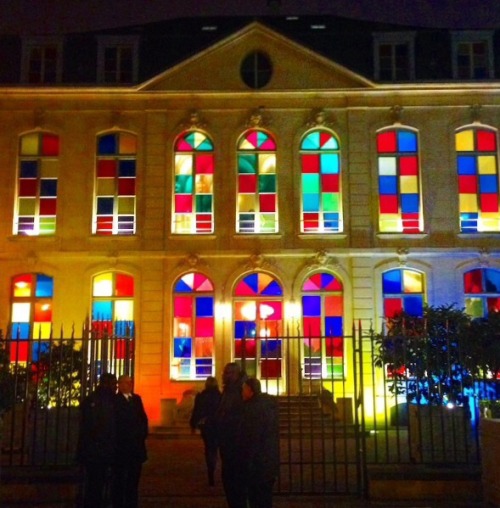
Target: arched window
[(477, 168), (31, 315), (193, 327), (115, 192), (193, 201), (36, 204), (403, 291), (257, 205), (400, 202), (323, 327), (321, 183), (482, 291), (258, 325)]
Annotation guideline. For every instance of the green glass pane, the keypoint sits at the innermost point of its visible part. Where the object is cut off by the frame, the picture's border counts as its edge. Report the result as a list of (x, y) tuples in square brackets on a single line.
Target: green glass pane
[(474, 307), (204, 203), (330, 202), (310, 183), (247, 163), (47, 225), (268, 223), (267, 183), (334, 371), (311, 141), (329, 163), (205, 146), (183, 184)]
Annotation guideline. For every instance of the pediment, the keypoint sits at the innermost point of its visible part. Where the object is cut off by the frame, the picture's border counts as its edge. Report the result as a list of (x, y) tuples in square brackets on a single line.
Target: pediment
[(218, 68)]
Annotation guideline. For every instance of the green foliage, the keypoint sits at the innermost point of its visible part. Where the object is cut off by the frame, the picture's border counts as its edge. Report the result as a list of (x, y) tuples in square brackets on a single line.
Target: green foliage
[(13, 381)]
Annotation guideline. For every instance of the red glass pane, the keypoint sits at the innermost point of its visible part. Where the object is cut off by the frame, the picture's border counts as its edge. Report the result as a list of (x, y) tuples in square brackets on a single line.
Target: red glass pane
[(183, 306), (204, 327), (330, 183), (50, 145), (204, 164), (126, 186), (203, 222), (486, 141), (389, 204), (493, 304), (267, 203), (310, 163), (311, 221), (489, 202), (312, 327), (124, 285), (408, 165), (22, 285), (43, 313), (102, 328), (104, 225), (411, 222), (106, 168), (467, 184), (334, 347), (386, 142), (270, 369), (247, 183), (120, 349), (270, 310), (48, 206), (324, 138), (28, 187), (334, 306), (183, 204), (473, 281), (250, 348), (19, 351), (392, 307)]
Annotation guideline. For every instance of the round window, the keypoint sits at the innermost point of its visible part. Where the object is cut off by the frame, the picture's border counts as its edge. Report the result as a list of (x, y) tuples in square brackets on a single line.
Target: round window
[(256, 70)]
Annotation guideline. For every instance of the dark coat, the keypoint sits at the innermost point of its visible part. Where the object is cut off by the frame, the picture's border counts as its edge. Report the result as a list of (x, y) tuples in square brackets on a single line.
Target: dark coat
[(228, 420), (97, 437), (205, 406), (131, 429), (259, 438)]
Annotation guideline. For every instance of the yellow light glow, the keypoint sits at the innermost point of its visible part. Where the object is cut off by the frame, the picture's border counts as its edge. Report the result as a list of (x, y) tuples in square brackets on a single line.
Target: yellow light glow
[(223, 311), (292, 310), (265, 311), (249, 311)]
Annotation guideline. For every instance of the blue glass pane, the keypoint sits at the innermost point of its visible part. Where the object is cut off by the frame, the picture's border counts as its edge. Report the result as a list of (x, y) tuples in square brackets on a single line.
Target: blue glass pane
[(48, 188), (205, 146), (183, 184), (491, 281), (392, 282), (413, 305), (310, 202), (329, 163), (466, 165), (311, 142), (407, 141), (126, 168), (28, 169), (38, 349), (311, 306), (273, 289), (488, 184), (102, 310), (105, 206), (107, 145), (244, 329), (326, 279), (182, 287), (332, 221), (124, 328), (203, 367), (252, 281), (204, 306), (44, 286), (334, 326), (270, 348), (409, 203), (182, 348), (20, 331), (468, 222), (388, 185)]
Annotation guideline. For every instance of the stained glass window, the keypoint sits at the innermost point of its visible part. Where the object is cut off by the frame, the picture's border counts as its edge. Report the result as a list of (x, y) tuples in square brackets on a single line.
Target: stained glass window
[(36, 204), (31, 315), (403, 291), (115, 192), (477, 168), (258, 325), (482, 292), (400, 207), (193, 200), (194, 327), (323, 327), (321, 183), (257, 205), (113, 311)]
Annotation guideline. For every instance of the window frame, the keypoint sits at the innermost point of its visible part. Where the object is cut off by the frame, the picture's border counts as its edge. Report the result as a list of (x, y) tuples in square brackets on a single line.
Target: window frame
[(42, 42), (394, 39), (117, 42), (470, 37)]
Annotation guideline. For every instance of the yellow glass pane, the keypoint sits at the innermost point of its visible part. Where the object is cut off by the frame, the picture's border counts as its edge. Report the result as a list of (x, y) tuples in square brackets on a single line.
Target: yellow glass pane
[(390, 223), (464, 141), (409, 185), (41, 330), (387, 166), (245, 311), (103, 285), (22, 288), (182, 223), (246, 145), (182, 327), (106, 187), (126, 206), (183, 164), (267, 163), (489, 222), (30, 144), (124, 310), (49, 168), (204, 184), (487, 165), (468, 203), (198, 138), (247, 203), (21, 312), (128, 144), (27, 206), (412, 282), (474, 307)]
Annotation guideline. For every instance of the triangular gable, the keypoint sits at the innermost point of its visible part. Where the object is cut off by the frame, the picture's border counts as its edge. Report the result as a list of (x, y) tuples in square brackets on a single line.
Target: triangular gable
[(294, 66)]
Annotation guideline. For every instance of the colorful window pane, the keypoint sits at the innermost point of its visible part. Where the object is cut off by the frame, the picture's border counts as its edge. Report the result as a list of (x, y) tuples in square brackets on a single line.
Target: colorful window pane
[(38, 171), (193, 328), (482, 292), (115, 185), (321, 183), (257, 203), (193, 199), (400, 207), (403, 291), (258, 326), (31, 315), (323, 327), (477, 170)]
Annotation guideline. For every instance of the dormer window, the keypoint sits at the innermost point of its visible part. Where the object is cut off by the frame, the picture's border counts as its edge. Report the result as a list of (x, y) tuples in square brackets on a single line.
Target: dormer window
[(117, 59), (41, 60), (472, 55), (394, 56)]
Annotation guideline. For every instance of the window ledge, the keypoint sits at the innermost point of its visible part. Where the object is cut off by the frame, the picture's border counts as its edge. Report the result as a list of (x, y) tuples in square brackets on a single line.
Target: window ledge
[(400, 236), (190, 236), (264, 236), (322, 236), (487, 234)]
